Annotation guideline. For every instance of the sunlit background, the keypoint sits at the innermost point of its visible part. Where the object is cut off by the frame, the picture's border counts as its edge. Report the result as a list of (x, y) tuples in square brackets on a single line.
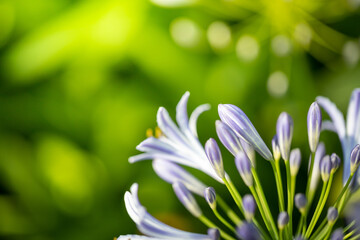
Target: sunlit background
[(81, 81)]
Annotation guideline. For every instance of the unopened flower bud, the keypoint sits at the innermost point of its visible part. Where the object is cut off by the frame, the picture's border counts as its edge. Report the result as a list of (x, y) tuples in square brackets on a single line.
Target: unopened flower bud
[(237, 120), (249, 150), (325, 168), (299, 237), (355, 158), (214, 155), (301, 202), (249, 206), (332, 214), (248, 231), (275, 148), (187, 199), (228, 138), (284, 132), (283, 220), (214, 233), (210, 197), (243, 165), (314, 120), (335, 162), (295, 161), (338, 234)]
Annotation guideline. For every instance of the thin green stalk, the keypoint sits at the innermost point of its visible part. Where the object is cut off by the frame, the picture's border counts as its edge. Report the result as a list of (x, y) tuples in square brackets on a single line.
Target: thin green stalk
[(264, 202), (234, 193), (277, 173), (226, 223), (229, 212), (281, 234), (349, 234), (323, 197), (262, 212), (210, 224), (301, 222), (309, 178), (355, 237), (290, 192)]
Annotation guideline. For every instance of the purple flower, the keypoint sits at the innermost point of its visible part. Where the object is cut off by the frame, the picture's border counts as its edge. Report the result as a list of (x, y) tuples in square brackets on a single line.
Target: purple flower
[(314, 121), (284, 132)]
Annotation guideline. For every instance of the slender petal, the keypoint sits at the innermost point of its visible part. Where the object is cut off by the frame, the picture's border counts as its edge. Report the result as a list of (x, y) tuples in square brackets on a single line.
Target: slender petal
[(152, 227), (171, 173), (353, 118), (187, 199), (242, 126)]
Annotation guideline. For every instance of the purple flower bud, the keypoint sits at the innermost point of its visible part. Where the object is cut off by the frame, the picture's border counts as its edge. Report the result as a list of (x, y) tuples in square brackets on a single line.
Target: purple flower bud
[(243, 165), (295, 161), (319, 154), (332, 214), (249, 150), (236, 119), (276, 148), (284, 132), (187, 199), (210, 197), (300, 202), (248, 231), (228, 138), (299, 237), (283, 220), (325, 168), (214, 155), (249, 206), (355, 158), (338, 234), (214, 233), (335, 162), (314, 120)]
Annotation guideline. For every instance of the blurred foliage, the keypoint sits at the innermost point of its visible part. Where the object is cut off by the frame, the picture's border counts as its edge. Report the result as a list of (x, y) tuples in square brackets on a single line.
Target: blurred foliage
[(81, 81)]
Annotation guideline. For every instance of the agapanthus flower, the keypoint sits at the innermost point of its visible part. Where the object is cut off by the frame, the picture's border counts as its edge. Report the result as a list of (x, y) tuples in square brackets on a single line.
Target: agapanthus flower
[(349, 133), (178, 145)]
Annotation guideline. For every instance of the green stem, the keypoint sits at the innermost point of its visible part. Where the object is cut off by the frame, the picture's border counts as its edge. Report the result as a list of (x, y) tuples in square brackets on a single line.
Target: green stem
[(262, 212), (290, 191), (277, 173), (230, 213), (323, 197), (226, 223), (234, 193), (210, 224), (264, 202)]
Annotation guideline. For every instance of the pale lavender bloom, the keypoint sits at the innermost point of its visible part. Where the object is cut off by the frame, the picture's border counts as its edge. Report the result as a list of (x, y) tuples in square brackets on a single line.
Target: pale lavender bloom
[(338, 234), (332, 214), (284, 132), (178, 144), (249, 150), (314, 120), (152, 227), (237, 120), (247, 231), (355, 158), (249, 206), (210, 197), (295, 161), (349, 134), (283, 220), (275, 148), (228, 138), (243, 165), (187, 199), (171, 173), (300, 202), (319, 154), (214, 155), (325, 168), (335, 162)]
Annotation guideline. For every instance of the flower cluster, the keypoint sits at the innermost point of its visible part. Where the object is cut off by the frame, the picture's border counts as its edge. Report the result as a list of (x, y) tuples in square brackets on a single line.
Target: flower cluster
[(178, 144)]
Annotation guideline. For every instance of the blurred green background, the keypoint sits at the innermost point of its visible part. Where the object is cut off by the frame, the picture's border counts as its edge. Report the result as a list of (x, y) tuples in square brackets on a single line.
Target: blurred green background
[(81, 81)]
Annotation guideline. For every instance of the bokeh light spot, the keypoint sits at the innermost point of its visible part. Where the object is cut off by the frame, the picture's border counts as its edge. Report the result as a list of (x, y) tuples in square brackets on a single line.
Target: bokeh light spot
[(185, 32), (247, 48), (277, 84), (219, 35)]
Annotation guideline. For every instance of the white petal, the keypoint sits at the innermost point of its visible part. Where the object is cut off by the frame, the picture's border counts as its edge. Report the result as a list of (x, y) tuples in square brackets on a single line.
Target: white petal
[(328, 126), (335, 115), (353, 117), (181, 112), (195, 115)]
